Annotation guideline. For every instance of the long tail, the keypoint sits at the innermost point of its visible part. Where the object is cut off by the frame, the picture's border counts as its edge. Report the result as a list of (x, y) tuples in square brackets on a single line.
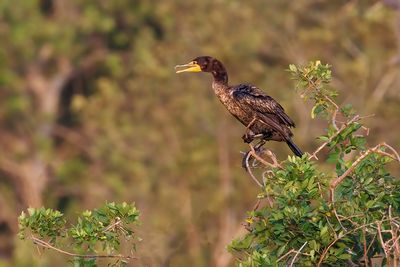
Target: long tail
[(294, 148)]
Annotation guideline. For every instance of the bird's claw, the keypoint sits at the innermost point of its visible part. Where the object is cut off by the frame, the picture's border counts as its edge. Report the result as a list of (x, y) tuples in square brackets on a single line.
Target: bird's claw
[(248, 138)]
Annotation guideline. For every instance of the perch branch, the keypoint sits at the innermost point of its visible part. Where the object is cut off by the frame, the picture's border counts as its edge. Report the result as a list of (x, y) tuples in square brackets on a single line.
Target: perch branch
[(271, 155), (246, 160)]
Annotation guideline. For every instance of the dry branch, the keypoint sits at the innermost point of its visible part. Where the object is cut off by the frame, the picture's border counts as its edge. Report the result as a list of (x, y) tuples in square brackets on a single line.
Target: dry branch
[(47, 245), (342, 128), (376, 150)]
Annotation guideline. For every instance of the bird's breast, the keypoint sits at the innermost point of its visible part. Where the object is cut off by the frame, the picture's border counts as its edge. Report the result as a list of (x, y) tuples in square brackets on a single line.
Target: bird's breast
[(225, 95)]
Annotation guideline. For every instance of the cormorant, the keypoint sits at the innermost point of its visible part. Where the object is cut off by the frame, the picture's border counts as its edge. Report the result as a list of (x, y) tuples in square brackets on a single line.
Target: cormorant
[(263, 117)]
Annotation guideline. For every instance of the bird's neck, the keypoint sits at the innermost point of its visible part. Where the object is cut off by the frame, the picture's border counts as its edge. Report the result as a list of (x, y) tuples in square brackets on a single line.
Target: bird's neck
[(219, 73), (220, 78)]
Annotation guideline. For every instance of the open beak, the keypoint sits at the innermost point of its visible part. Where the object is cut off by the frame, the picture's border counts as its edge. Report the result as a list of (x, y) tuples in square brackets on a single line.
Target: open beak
[(190, 67)]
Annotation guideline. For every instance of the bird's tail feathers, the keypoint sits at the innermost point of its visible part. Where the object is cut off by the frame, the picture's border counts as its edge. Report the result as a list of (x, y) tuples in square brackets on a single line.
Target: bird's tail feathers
[(294, 148)]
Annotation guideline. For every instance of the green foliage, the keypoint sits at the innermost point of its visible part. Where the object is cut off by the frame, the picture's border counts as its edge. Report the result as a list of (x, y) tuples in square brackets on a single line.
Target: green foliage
[(98, 231), (43, 223), (311, 82), (317, 219)]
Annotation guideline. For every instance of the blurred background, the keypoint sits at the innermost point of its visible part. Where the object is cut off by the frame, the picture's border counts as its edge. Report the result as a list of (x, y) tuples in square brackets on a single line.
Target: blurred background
[(91, 109)]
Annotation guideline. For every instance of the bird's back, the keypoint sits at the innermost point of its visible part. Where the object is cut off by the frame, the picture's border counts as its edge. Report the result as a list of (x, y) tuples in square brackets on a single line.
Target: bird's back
[(251, 102)]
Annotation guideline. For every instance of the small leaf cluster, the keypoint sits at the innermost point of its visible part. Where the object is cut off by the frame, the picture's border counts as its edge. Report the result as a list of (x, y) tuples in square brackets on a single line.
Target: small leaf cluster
[(343, 143), (97, 231), (43, 223), (311, 83), (314, 218), (104, 226)]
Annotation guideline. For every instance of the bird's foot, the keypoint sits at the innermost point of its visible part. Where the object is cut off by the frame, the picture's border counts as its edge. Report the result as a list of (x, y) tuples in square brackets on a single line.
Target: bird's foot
[(248, 137)]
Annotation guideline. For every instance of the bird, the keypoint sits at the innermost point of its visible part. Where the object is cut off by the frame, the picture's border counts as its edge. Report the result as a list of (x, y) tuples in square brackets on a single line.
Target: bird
[(264, 118)]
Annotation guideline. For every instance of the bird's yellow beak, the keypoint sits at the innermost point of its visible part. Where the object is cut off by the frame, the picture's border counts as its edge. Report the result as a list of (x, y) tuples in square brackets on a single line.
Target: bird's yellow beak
[(190, 67)]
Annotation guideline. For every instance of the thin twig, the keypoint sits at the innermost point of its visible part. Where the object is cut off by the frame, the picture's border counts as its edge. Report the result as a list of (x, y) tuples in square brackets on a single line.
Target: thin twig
[(342, 128), (257, 205), (375, 150), (297, 253), (371, 243), (116, 223), (249, 154), (394, 237), (334, 112), (45, 244), (385, 250), (337, 217), (275, 163), (286, 254), (341, 236), (395, 242), (257, 157), (365, 247), (393, 150), (273, 158)]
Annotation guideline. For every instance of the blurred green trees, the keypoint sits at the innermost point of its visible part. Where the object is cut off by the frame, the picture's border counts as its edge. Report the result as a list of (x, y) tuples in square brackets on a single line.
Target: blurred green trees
[(91, 111)]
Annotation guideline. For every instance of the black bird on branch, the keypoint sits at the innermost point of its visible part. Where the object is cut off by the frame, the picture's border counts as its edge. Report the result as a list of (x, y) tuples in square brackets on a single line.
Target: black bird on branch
[(264, 118)]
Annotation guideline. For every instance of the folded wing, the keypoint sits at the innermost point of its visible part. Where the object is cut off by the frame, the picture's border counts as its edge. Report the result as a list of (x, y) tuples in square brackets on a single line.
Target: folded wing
[(267, 109)]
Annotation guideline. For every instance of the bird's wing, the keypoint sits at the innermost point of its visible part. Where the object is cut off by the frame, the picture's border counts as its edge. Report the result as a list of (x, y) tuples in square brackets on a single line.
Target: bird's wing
[(256, 99)]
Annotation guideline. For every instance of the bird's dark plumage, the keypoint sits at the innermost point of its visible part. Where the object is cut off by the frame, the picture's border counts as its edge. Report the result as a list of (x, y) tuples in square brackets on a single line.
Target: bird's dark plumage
[(261, 114)]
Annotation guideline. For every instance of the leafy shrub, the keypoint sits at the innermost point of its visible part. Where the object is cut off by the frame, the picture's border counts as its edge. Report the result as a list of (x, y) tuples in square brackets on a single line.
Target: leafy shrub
[(96, 232)]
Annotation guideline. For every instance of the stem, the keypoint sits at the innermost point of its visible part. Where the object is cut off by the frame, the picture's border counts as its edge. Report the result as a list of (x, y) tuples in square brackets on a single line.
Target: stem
[(365, 247), (45, 244), (275, 163), (297, 254), (342, 128), (339, 237), (375, 150), (249, 170), (385, 249)]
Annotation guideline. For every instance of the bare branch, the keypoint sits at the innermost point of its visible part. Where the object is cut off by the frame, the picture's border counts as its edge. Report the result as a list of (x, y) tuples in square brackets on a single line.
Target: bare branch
[(342, 128), (383, 244), (370, 151), (334, 114), (47, 245), (248, 169), (325, 252), (271, 155), (286, 254), (365, 247), (297, 253)]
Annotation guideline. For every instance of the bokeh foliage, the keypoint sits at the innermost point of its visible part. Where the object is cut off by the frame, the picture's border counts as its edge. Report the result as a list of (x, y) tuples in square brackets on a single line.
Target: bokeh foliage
[(91, 111)]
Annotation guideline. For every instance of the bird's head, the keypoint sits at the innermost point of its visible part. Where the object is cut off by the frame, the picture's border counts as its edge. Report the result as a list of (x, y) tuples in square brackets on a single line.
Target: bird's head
[(199, 64)]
